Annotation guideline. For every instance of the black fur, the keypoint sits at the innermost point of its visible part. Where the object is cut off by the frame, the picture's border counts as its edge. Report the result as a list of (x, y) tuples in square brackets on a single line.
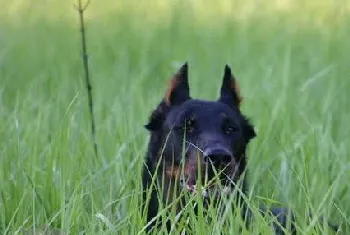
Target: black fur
[(214, 130)]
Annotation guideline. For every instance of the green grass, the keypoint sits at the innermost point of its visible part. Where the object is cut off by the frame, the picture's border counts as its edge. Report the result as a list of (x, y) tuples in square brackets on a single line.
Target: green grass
[(291, 60)]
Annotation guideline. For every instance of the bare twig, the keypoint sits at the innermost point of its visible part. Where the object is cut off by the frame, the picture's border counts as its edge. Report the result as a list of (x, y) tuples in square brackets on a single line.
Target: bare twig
[(81, 9)]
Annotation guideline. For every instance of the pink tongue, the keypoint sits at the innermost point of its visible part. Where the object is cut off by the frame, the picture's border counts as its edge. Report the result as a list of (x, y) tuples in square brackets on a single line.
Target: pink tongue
[(190, 187), (193, 189)]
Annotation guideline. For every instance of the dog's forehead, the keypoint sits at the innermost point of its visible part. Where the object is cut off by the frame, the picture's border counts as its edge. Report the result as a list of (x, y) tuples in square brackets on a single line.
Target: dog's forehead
[(204, 106), (202, 109)]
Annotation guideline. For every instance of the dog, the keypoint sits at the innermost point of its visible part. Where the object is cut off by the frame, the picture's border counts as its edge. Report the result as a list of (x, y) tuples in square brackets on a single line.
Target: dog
[(197, 142)]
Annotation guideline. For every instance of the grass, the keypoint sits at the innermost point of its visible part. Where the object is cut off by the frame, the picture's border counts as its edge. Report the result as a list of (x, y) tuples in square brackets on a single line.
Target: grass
[(292, 62)]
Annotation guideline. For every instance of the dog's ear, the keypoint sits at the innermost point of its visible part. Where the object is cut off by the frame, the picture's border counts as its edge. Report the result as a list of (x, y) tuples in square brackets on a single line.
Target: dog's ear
[(248, 130), (229, 93), (178, 92), (231, 96)]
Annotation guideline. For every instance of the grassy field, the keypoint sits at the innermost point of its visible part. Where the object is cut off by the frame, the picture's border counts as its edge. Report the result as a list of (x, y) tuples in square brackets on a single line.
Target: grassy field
[(291, 58)]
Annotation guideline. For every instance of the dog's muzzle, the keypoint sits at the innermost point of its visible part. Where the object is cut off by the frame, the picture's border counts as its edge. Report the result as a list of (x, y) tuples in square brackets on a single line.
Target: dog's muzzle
[(218, 157)]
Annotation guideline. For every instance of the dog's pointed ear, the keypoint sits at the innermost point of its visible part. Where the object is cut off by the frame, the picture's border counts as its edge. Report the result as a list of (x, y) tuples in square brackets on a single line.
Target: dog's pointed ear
[(229, 93), (178, 92)]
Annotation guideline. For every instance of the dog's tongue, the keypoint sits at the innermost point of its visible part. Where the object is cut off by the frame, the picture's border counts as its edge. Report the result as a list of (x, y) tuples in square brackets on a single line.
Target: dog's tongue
[(191, 188)]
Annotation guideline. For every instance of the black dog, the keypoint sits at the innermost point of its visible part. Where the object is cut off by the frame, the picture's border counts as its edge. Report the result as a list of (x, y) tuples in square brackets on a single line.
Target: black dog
[(195, 140)]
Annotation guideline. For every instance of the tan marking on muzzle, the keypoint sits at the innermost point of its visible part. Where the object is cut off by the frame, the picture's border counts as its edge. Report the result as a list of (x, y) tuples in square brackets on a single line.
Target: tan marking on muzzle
[(173, 171)]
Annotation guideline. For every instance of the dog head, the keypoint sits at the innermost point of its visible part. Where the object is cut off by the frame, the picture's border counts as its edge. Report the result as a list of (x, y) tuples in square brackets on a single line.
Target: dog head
[(198, 140)]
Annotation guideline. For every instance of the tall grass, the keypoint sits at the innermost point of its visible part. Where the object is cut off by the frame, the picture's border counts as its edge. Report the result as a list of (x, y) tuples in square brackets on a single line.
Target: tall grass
[(291, 59)]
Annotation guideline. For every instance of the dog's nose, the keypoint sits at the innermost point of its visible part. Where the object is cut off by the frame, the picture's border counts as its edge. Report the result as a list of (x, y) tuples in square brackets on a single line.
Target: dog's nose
[(219, 157)]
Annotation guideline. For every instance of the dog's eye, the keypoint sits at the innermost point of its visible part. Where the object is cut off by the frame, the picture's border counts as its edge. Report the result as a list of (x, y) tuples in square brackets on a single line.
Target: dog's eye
[(189, 125), (229, 130)]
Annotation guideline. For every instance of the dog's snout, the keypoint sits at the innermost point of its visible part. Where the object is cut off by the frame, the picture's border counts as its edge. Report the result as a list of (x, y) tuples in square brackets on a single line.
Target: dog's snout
[(218, 157)]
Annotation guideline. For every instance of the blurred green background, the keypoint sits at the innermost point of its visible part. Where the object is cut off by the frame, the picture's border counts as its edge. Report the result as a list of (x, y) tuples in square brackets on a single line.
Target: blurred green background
[(291, 59)]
